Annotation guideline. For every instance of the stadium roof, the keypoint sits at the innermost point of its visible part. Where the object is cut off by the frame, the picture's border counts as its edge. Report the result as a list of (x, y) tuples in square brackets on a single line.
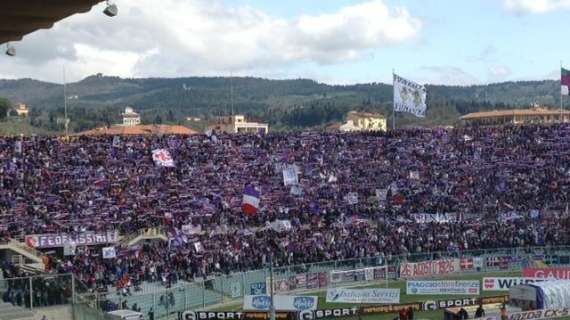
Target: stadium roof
[(20, 17), (514, 112), (139, 130)]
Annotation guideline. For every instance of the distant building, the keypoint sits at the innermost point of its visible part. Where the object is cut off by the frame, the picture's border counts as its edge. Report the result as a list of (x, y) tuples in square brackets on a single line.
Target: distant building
[(193, 119), (237, 124), (130, 117), (364, 121), (22, 110), (534, 115)]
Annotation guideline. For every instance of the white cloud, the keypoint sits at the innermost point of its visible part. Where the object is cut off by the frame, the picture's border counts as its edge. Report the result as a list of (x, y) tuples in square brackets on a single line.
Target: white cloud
[(206, 37), (535, 6), (446, 75), (499, 73)]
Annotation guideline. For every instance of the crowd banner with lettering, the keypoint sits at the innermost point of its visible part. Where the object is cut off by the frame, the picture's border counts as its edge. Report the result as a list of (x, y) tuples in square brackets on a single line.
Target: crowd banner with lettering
[(467, 287), (505, 283), (392, 308), (535, 315), (364, 274), (429, 268), (549, 273), (343, 295), (281, 303), (230, 315), (41, 241), (502, 261), (436, 218), (301, 281)]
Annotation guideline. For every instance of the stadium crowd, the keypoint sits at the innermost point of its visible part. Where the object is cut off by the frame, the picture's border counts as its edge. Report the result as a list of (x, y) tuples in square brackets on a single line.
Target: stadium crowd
[(358, 195)]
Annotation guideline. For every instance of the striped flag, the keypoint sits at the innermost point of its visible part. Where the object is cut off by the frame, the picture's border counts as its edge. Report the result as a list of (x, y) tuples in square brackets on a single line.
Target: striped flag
[(250, 202)]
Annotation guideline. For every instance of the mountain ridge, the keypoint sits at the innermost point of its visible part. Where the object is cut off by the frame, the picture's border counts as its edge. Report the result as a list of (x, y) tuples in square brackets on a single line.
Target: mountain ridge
[(285, 103)]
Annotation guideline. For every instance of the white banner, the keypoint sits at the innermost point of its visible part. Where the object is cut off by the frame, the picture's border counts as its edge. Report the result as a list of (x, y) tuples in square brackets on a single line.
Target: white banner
[(281, 303), (436, 217), (161, 157), (191, 229), (281, 225), (464, 287), (290, 177), (342, 295), (69, 250), (429, 268), (505, 283), (381, 194), (109, 253), (351, 198), (409, 97)]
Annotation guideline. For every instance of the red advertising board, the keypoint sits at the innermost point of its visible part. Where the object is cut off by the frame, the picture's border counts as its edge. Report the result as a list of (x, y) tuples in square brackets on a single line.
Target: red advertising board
[(429, 268), (552, 273)]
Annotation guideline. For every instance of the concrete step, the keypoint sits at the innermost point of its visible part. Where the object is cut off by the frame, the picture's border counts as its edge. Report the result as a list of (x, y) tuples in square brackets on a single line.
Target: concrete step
[(20, 314), (7, 307), (12, 312)]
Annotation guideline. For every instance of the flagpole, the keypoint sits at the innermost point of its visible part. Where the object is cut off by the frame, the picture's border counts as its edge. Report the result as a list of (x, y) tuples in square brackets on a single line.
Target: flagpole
[(393, 102), (561, 96)]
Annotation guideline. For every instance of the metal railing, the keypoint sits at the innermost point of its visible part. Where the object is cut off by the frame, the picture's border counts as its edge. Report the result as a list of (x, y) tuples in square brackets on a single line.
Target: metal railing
[(146, 232), (38, 291), (25, 247)]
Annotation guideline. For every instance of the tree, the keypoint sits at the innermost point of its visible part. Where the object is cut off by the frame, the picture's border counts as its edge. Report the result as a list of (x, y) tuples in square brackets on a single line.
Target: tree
[(170, 116), (5, 106)]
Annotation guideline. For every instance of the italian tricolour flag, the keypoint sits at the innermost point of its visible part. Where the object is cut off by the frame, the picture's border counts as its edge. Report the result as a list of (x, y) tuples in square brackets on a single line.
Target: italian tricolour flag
[(565, 81)]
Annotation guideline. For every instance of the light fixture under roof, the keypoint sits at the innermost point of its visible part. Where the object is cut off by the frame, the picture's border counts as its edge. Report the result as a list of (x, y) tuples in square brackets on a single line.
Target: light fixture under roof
[(10, 50), (111, 10)]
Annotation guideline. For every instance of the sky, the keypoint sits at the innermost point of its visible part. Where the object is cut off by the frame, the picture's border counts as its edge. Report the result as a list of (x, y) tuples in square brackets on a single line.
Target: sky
[(452, 42)]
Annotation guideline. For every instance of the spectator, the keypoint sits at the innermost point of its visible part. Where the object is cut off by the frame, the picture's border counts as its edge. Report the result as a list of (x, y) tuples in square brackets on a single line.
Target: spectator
[(480, 312)]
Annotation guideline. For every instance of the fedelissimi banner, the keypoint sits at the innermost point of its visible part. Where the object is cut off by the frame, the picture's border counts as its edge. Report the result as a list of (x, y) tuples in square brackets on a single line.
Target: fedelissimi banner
[(41, 241), (466, 287), (281, 303), (343, 295)]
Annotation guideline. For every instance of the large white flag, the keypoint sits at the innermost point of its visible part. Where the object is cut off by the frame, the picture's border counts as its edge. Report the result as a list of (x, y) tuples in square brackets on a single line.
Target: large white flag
[(409, 97)]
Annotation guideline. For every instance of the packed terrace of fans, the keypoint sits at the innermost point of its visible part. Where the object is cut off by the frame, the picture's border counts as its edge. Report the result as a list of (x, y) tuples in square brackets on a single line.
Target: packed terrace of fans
[(506, 186)]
